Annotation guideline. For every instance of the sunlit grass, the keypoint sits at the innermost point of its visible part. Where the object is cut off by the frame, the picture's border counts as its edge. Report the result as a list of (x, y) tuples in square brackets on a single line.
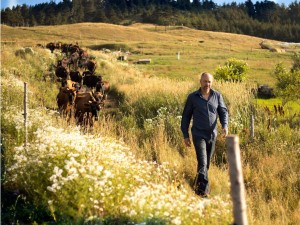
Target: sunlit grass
[(85, 176), (290, 107), (199, 50), (134, 163)]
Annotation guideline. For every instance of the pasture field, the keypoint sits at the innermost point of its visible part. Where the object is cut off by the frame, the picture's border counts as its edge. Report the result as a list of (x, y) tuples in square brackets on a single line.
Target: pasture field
[(199, 50), (133, 168)]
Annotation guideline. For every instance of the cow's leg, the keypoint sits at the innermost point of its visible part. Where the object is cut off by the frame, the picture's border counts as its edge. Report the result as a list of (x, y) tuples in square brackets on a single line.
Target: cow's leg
[(69, 114), (78, 117), (91, 121), (85, 122)]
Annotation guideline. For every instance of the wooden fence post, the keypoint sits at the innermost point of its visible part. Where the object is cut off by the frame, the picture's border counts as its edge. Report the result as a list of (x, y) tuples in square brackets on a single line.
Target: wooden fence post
[(25, 116), (252, 127), (236, 179)]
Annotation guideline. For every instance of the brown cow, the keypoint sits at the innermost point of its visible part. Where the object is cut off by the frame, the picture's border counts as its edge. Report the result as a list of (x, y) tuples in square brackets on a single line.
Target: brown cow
[(87, 107), (65, 99)]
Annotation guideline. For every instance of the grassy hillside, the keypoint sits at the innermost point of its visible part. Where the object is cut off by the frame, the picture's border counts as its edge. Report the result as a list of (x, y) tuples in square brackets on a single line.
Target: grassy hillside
[(77, 178), (199, 50)]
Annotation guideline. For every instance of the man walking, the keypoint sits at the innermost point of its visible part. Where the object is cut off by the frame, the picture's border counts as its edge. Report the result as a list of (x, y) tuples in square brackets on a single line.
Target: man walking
[(204, 106)]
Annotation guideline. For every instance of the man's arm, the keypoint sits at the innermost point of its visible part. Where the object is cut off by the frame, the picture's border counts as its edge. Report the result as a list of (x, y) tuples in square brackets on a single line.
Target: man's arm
[(223, 115), (186, 117)]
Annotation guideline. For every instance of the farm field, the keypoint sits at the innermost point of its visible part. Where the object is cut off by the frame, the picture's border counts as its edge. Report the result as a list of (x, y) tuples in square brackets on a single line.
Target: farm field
[(132, 167)]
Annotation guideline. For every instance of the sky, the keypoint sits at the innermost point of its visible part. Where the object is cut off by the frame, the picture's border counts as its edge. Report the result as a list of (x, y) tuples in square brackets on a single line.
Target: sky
[(10, 3)]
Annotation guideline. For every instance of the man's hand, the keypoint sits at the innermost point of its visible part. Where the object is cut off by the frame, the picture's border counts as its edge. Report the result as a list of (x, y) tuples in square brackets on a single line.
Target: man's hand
[(187, 142), (225, 132)]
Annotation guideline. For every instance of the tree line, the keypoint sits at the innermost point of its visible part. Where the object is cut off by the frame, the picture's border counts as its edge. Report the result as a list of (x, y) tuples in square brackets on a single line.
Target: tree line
[(265, 19)]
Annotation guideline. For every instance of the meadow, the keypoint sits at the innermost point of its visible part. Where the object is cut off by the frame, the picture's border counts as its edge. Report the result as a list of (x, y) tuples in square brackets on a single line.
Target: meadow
[(133, 167)]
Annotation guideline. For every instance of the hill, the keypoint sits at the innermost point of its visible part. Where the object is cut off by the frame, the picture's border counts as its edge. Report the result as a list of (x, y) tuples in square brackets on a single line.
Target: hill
[(199, 50)]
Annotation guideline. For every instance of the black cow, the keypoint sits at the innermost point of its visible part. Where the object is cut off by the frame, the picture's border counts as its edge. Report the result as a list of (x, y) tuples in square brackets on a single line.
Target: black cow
[(51, 46), (64, 48), (62, 73), (69, 49), (91, 66), (76, 76), (91, 80)]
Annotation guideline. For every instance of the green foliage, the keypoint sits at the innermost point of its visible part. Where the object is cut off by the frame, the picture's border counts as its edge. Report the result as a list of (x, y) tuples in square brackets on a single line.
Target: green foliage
[(166, 120), (147, 107), (16, 206), (233, 70), (288, 83), (153, 117), (282, 142)]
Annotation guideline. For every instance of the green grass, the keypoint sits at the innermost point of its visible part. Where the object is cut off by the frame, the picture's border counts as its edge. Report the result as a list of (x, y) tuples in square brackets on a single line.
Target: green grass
[(291, 107)]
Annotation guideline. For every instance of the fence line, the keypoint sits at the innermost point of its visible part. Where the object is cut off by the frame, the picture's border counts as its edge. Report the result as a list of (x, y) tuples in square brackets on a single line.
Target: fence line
[(237, 181)]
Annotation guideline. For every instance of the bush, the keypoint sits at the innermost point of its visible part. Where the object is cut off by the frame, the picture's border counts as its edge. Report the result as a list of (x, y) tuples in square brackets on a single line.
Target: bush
[(287, 85), (233, 70)]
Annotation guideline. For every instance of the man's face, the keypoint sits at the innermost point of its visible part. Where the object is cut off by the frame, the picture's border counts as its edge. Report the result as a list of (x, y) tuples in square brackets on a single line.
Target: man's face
[(206, 82)]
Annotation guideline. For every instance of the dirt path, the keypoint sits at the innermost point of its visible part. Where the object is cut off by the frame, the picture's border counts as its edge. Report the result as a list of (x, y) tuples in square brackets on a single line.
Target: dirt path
[(110, 104)]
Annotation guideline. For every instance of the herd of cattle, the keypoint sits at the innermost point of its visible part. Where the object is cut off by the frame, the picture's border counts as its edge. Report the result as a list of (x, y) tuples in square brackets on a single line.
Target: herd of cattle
[(82, 92)]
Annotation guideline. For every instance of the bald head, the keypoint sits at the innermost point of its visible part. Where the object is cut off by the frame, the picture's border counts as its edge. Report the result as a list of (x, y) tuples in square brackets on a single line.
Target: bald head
[(206, 82), (206, 75)]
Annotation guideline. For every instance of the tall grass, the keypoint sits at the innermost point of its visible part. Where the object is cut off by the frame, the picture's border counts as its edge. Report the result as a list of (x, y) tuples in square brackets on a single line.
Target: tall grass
[(91, 178), (134, 167), (272, 200)]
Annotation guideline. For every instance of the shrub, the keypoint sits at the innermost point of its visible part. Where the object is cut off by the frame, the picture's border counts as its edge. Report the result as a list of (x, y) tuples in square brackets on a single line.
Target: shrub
[(233, 70), (287, 85)]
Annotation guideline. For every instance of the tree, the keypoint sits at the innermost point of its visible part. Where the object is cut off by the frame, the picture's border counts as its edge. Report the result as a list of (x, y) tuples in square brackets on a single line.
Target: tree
[(112, 15), (184, 4), (100, 16), (77, 11), (264, 10), (208, 5), (196, 5), (250, 8)]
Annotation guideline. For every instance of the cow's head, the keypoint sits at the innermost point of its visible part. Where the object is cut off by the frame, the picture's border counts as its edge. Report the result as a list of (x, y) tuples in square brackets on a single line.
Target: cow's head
[(91, 66), (98, 96), (70, 89)]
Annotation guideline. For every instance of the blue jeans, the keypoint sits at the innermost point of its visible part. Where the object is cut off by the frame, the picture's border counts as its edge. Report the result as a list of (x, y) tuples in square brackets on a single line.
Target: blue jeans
[(204, 151)]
